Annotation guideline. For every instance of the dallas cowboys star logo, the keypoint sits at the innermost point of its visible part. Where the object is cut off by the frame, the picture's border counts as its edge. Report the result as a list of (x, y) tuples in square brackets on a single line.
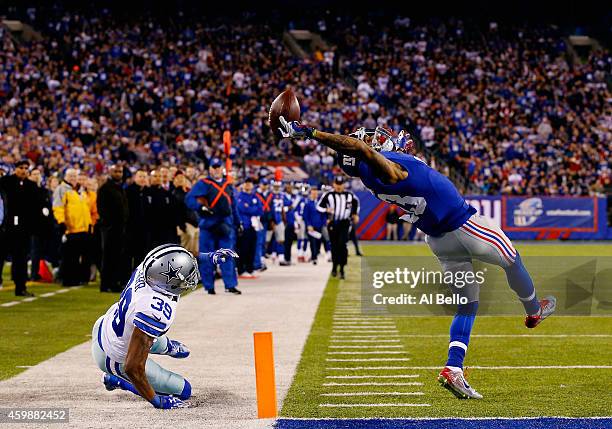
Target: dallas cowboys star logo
[(172, 273)]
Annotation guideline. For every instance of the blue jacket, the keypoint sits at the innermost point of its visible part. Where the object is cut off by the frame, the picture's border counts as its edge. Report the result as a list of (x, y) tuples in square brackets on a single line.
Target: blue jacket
[(224, 208), (248, 205), (313, 217)]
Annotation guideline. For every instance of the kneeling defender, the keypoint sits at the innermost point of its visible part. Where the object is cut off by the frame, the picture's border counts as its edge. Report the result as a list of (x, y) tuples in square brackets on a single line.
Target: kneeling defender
[(137, 325)]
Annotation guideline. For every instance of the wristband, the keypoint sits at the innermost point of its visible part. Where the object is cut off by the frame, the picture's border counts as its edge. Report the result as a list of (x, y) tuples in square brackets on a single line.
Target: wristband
[(313, 134)]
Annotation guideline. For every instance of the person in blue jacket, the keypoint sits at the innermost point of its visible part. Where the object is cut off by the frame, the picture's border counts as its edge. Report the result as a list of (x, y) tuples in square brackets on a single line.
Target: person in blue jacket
[(278, 219), (264, 196), (213, 199), (315, 222), (250, 210)]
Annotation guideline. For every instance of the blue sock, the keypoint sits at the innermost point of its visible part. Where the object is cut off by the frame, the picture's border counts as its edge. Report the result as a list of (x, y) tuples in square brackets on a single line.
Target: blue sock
[(521, 283), (460, 330)]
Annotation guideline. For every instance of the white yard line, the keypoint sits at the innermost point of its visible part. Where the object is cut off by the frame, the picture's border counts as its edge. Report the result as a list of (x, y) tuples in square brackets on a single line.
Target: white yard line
[(10, 303), (375, 383), (47, 295), (500, 336), (377, 352), (390, 346), (339, 340), (350, 377), (363, 368), (354, 331), (369, 360), (374, 394), (63, 290), (372, 405), (522, 367), (30, 299)]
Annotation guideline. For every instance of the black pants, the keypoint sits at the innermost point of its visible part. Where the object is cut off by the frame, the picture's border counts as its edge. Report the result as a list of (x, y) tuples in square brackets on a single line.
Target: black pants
[(114, 270), (315, 245), (246, 249), (75, 259), (338, 236), (16, 243), (290, 237), (353, 238)]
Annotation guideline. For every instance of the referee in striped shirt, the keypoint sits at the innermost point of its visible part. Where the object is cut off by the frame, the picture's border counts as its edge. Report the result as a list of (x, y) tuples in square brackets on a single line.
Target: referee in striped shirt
[(342, 207)]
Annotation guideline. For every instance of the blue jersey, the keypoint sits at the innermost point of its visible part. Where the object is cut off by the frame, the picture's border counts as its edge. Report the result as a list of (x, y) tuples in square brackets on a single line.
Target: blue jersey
[(248, 206), (430, 200), (291, 204), (277, 207)]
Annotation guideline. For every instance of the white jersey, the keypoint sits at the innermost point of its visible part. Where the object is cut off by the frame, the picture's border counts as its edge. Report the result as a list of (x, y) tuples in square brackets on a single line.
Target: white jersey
[(139, 306)]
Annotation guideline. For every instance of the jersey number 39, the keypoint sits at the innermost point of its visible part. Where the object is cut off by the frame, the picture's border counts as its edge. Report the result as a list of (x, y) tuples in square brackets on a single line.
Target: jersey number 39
[(122, 308), (414, 206)]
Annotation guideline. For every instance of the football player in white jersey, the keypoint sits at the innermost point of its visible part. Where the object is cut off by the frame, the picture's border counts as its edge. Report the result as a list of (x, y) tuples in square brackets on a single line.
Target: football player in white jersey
[(137, 325)]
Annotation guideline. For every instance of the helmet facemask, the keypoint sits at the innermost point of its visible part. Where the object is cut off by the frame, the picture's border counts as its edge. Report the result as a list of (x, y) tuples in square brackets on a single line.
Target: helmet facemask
[(383, 139)]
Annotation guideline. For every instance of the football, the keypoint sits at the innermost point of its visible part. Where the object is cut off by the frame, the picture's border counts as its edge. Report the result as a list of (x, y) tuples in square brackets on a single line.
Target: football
[(286, 105)]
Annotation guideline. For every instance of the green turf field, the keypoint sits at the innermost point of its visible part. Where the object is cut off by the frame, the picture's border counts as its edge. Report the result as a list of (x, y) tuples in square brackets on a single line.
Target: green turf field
[(336, 370), (33, 331)]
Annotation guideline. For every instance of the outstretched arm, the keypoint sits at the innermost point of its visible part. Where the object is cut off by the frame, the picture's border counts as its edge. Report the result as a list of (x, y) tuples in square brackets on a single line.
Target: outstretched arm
[(388, 171)]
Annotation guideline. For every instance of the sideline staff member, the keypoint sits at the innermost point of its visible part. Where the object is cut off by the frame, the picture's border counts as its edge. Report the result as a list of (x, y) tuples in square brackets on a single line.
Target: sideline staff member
[(20, 206), (342, 206)]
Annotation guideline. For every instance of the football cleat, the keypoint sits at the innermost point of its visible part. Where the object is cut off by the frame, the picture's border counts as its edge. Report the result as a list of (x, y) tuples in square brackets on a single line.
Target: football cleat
[(547, 307), (111, 382), (177, 349), (455, 382)]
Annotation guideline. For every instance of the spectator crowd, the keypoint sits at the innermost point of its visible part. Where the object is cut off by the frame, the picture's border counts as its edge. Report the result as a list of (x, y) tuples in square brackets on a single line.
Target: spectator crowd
[(118, 123)]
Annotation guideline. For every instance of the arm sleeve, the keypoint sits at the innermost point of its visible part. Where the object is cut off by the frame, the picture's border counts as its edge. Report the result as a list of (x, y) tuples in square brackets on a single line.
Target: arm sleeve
[(355, 206), (59, 211), (150, 325), (198, 190), (151, 322), (323, 202)]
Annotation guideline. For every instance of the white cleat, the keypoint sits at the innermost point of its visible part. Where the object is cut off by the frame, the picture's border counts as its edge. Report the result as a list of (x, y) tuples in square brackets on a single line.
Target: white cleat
[(455, 382)]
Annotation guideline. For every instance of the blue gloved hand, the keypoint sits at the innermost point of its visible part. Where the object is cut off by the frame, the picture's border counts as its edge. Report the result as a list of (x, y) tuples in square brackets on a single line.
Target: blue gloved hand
[(167, 402), (295, 130), (220, 256)]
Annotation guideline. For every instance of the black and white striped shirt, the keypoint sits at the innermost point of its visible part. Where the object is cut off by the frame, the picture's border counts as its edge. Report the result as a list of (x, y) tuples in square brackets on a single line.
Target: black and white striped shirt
[(340, 205)]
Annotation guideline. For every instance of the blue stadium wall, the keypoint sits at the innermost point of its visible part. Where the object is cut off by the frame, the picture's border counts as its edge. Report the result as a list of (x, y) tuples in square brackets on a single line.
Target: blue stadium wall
[(522, 218)]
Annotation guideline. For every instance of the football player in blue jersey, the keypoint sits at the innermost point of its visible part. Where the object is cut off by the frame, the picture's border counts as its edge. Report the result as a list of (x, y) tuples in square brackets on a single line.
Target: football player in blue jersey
[(136, 326), (454, 231)]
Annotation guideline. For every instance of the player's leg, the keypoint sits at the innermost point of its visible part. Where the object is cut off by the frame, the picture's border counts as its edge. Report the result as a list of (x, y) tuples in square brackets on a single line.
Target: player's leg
[(228, 269), (207, 244), (455, 259), (488, 243), (261, 235)]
